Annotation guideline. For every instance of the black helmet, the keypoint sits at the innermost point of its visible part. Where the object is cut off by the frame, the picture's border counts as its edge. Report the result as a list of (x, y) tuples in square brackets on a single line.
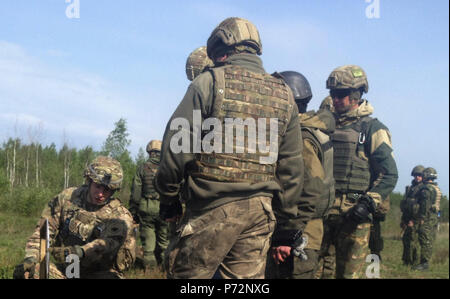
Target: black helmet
[(300, 88)]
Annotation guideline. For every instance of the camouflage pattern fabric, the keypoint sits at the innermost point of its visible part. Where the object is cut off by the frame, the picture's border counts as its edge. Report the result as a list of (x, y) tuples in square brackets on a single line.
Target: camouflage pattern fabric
[(411, 246), (239, 251), (348, 76), (197, 62), (105, 171), (428, 217), (105, 233)]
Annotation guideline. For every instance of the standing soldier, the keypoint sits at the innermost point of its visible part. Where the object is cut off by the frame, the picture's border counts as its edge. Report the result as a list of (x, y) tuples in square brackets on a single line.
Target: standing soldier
[(364, 170), (144, 205), (229, 219), (318, 188), (89, 223), (429, 198), (409, 224)]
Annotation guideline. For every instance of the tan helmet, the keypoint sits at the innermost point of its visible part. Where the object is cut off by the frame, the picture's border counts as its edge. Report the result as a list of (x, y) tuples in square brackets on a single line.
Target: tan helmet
[(348, 77), (234, 32), (154, 145), (105, 171), (196, 63)]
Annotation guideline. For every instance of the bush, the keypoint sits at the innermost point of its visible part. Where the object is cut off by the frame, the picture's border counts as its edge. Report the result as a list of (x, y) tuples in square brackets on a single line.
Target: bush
[(26, 201)]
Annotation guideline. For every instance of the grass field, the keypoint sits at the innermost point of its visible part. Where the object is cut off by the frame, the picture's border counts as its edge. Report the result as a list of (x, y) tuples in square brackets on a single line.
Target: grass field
[(15, 229)]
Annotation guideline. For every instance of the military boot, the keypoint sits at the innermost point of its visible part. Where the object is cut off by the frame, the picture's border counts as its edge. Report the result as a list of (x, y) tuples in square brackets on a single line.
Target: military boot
[(421, 267)]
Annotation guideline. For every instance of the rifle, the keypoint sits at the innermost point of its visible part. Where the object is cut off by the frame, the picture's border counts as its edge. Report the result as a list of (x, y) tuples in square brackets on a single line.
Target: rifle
[(44, 256)]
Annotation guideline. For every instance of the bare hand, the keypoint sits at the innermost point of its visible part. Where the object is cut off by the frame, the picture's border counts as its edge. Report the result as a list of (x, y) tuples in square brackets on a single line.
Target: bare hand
[(280, 253)]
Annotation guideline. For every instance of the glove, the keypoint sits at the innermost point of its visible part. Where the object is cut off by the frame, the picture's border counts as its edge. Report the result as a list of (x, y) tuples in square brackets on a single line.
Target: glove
[(363, 210), (299, 244), (29, 265), (60, 253), (168, 211)]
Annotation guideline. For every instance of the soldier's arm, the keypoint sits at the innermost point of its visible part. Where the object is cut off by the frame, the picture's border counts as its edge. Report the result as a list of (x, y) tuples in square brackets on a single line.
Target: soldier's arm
[(117, 240), (425, 196), (52, 212), (291, 210), (384, 174), (169, 177), (136, 191)]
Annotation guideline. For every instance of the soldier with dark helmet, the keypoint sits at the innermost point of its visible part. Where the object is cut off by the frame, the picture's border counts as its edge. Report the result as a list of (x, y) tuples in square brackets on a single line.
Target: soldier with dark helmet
[(197, 62), (144, 205), (365, 171), (318, 187), (429, 198), (229, 190), (87, 222), (409, 224)]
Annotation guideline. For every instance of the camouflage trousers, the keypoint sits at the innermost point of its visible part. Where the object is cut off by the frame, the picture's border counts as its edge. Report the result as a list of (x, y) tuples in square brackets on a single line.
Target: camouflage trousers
[(326, 265), (294, 267), (351, 242), (427, 235), (153, 233), (411, 246), (232, 239), (58, 271)]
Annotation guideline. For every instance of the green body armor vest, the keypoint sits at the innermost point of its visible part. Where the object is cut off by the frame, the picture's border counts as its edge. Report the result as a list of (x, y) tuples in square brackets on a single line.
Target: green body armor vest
[(327, 196), (411, 205), (149, 171), (351, 172), (248, 96)]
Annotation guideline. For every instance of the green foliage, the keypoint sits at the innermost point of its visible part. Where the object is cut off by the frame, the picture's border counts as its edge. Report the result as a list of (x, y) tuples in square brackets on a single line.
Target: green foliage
[(116, 144)]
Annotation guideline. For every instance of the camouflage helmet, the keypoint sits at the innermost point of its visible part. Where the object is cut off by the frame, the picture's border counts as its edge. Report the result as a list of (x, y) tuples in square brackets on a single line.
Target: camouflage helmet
[(234, 32), (197, 61), (429, 173), (154, 145), (348, 77), (105, 171), (418, 170)]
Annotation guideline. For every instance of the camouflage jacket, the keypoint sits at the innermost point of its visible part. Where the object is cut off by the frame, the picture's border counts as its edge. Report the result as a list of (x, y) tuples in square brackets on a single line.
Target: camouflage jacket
[(105, 233), (201, 194), (427, 197), (409, 206), (378, 152)]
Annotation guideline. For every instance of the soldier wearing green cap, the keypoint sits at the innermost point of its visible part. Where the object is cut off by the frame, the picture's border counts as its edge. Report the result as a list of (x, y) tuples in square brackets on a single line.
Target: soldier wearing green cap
[(429, 198), (409, 224), (88, 222), (365, 171), (229, 219), (144, 205)]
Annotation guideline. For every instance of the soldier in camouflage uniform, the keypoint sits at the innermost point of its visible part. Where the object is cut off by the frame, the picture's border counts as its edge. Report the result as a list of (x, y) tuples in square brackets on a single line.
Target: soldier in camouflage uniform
[(144, 206), (364, 170), (429, 198), (318, 188), (409, 207), (229, 218), (88, 222)]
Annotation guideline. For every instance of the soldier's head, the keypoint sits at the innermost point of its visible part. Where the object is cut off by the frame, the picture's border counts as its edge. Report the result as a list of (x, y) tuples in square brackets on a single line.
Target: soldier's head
[(300, 88), (104, 176), (347, 84), (154, 148), (429, 174), (417, 173), (233, 36), (197, 62)]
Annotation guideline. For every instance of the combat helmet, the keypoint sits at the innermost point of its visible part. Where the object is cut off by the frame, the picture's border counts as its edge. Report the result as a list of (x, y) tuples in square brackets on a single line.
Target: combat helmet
[(348, 77), (154, 145), (234, 32), (105, 171), (197, 61), (418, 170), (429, 174), (299, 85)]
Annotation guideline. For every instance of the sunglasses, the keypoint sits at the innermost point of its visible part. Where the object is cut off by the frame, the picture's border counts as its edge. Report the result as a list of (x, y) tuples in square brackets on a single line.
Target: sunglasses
[(339, 93)]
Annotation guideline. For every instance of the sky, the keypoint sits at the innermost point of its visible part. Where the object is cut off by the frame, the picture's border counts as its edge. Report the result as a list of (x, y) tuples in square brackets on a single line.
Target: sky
[(70, 69)]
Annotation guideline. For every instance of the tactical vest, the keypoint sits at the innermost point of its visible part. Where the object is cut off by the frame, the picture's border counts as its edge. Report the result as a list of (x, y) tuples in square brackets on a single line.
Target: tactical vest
[(149, 172), (327, 196), (411, 205), (242, 94), (351, 172)]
